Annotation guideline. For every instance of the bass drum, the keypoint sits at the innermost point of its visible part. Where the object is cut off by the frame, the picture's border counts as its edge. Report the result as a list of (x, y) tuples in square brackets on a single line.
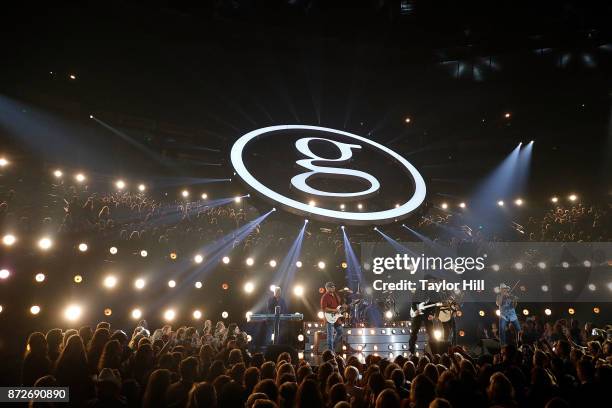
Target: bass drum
[(444, 315)]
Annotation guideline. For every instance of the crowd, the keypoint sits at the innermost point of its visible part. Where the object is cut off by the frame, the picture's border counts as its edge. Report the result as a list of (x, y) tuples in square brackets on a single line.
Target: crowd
[(213, 367)]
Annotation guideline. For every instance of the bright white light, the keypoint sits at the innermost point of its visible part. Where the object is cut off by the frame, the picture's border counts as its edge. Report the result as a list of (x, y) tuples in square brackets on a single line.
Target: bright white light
[(300, 337), (120, 184), (444, 206), (542, 265), (110, 281), (587, 263), (185, 193), (298, 264), (592, 287), (35, 310), (80, 177), (500, 203), (298, 290), (518, 265), (360, 206), (573, 197), (45, 243), (568, 287), (224, 315), (312, 203), (544, 288), (272, 288), (495, 267), (249, 287), (273, 263), (547, 312), (40, 277), (565, 264), (72, 76), (554, 199), (169, 315), (198, 285), (204, 196), (250, 261), (518, 202), (9, 239), (171, 283), (113, 250), (144, 253), (136, 314), (198, 258), (139, 283), (437, 334), (4, 273), (388, 314), (3, 162), (342, 206), (142, 187), (73, 312), (507, 115), (462, 205), (225, 259), (58, 173), (526, 312), (248, 315), (321, 315), (197, 314), (83, 247), (237, 199), (497, 313), (321, 265)]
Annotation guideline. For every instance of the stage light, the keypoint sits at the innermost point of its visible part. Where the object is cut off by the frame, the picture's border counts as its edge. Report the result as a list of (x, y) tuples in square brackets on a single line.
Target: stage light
[(198, 259), (58, 173), (344, 265), (224, 315), (437, 334), (73, 312), (389, 315), (136, 314), (248, 315), (526, 312), (198, 285), (45, 243), (169, 315), (250, 261), (249, 287), (272, 263), (609, 285), (9, 240), (197, 314), (4, 273), (444, 206), (407, 120), (272, 288), (3, 162), (544, 288), (108, 311), (518, 266), (35, 310), (78, 279), (342, 206), (573, 197), (144, 253), (171, 283), (185, 193), (461, 333), (110, 281), (321, 265), (500, 203), (542, 265), (565, 264), (571, 311), (596, 310), (142, 187), (224, 286), (1, 308), (139, 283), (312, 203), (120, 184), (173, 255), (461, 205), (568, 287), (40, 277), (397, 205), (495, 267), (298, 264), (225, 260), (547, 312), (83, 247), (113, 250), (204, 196), (72, 76), (298, 290), (320, 315), (300, 337), (507, 115), (518, 202), (592, 287), (360, 206), (80, 177), (554, 200), (587, 263)]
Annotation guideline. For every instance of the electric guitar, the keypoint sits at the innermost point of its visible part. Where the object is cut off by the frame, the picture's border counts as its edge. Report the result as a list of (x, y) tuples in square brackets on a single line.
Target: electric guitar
[(421, 307), (332, 317)]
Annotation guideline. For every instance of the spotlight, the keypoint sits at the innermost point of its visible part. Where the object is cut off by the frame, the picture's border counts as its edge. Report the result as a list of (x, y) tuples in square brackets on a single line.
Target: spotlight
[(461, 205), (407, 120), (35, 310), (198, 259), (204, 196), (444, 206), (142, 187), (248, 315), (495, 267), (226, 260), (518, 266), (342, 206), (173, 255), (573, 197), (3, 162), (321, 315), (571, 310), (113, 250), (592, 287), (197, 314), (518, 202), (312, 203), (596, 310), (110, 281), (389, 315), (500, 203), (144, 253), (397, 205), (526, 312), (45, 243), (78, 279), (224, 314), (360, 206), (547, 312), (185, 193), (250, 261), (554, 200), (40, 277), (321, 265), (198, 285), (171, 283), (237, 199), (136, 313), (139, 283), (169, 315), (565, 264), (298, 264), (344, 265), (58, 173), (83, 247), (481, 313), (9, 239), (507, 115), (224, 286), (120, 184), (542, 265), (437, 334), (544, 288), (298, 290), (72, 76), (300, 337), (73, 312), (80, 177), (569, 287), (249, 287), (273, 263), (587, 263), (497, 313), (108, 311)]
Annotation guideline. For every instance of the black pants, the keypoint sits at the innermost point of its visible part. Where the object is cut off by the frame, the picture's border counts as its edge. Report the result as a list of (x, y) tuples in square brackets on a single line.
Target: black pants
[(417, 322)]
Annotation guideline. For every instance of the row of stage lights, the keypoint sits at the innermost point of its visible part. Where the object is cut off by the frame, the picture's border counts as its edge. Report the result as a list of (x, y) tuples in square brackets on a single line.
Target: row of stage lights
[(519, 202), (547, 311)]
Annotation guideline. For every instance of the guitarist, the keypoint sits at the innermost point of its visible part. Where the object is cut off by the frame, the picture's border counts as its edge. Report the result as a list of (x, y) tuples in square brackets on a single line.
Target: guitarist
[(330, 303), (424, 316)]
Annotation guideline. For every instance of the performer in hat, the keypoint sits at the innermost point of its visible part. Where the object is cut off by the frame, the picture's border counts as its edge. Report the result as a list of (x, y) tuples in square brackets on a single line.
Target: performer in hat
[(506, 302)]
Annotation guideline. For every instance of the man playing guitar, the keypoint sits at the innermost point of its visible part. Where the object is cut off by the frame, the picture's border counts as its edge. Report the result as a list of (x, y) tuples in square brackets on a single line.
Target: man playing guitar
[(332, 307)]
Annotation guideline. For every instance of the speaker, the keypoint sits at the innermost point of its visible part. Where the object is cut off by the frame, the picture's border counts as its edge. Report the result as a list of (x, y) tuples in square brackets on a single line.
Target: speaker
[(273, 351), (438, 347), (491, 346)]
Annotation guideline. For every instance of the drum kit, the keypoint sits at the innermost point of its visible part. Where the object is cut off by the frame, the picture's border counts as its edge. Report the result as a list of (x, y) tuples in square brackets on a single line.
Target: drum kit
[(362, 307)]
